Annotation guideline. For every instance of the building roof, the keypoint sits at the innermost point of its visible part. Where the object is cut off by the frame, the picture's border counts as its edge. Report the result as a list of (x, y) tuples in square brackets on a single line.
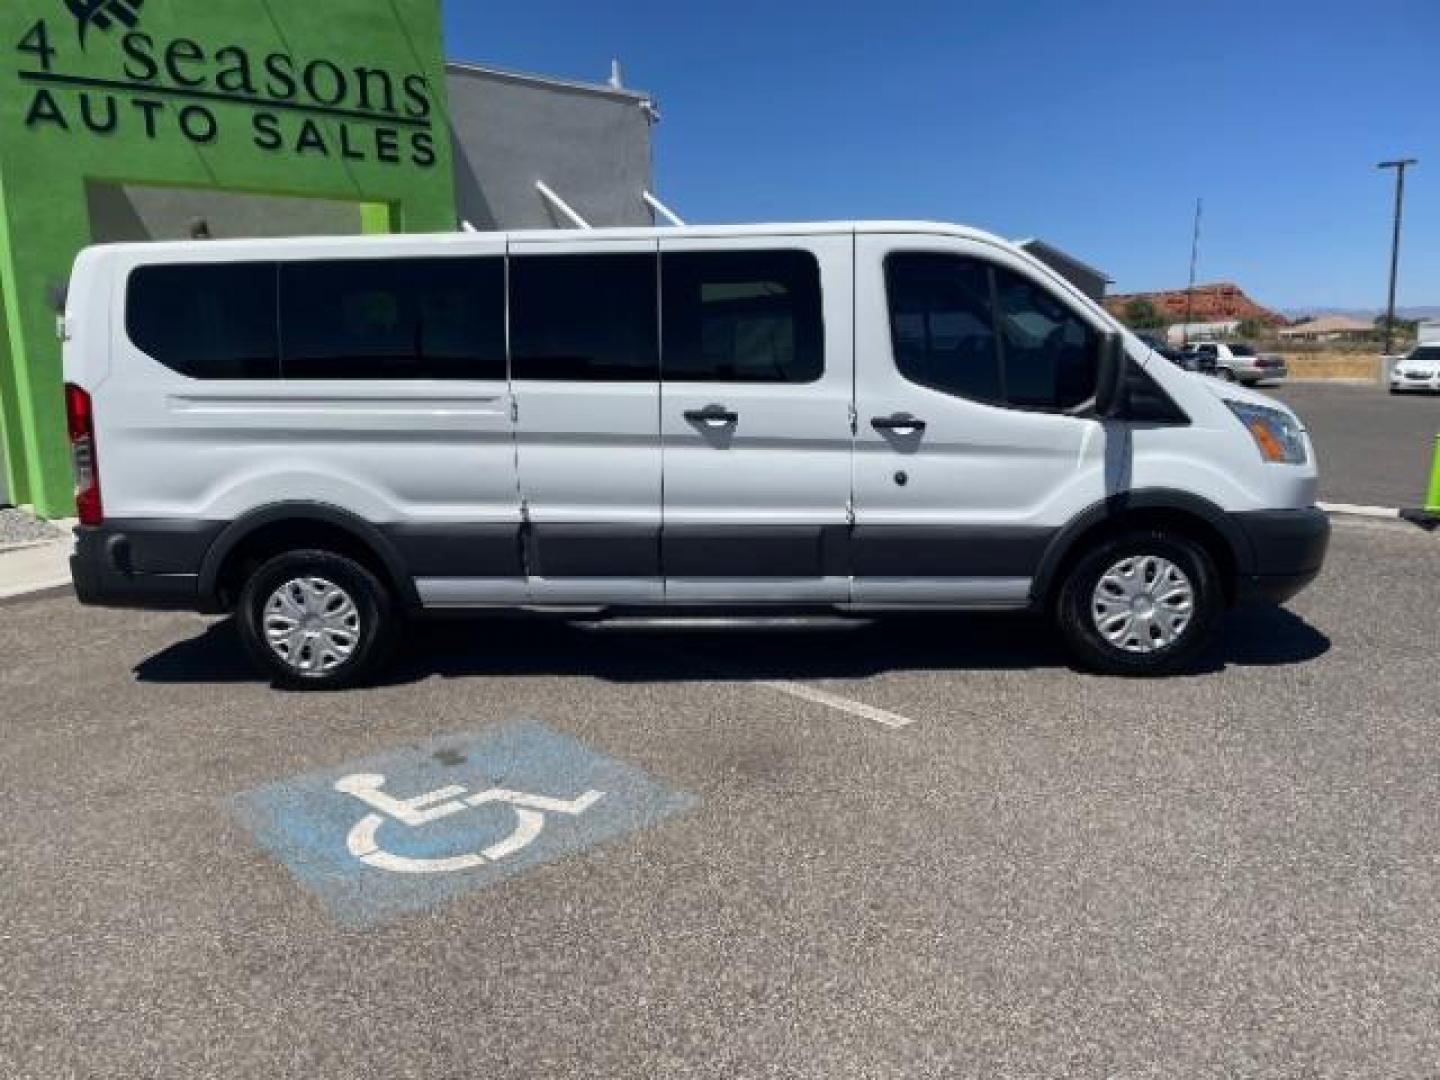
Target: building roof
[(488, 71), (1329, 324)]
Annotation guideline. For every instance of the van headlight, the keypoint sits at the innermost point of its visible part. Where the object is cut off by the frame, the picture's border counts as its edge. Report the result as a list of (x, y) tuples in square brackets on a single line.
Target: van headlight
[(1278, 434)]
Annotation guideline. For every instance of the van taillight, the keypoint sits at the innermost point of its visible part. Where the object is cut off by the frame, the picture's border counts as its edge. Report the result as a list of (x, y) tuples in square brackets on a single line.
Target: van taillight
[(80, 416)]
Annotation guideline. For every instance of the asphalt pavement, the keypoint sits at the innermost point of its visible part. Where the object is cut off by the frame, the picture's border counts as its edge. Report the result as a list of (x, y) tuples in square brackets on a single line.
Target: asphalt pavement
[(1375, 448), (924, 847)]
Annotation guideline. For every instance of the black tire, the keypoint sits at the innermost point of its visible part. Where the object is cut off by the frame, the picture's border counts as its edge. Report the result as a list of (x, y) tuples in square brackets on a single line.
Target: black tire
[(1076, 620), (373, 605), (1226, 375)]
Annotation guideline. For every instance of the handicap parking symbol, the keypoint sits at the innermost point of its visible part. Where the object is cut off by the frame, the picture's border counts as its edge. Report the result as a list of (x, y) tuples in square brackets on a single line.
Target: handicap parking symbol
[(414, 828)]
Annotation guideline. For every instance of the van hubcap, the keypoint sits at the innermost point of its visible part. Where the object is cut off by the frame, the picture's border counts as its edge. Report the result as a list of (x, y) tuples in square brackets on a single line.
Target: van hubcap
[(312, 624), (1143, 604)]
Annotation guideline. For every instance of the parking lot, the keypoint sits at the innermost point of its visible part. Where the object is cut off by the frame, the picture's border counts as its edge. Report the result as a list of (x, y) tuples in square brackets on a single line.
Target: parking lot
[(1375, 447), (922, 847)]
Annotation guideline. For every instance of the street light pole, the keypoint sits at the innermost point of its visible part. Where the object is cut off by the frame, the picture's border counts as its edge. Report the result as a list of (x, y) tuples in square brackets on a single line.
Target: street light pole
[(1399, 165)]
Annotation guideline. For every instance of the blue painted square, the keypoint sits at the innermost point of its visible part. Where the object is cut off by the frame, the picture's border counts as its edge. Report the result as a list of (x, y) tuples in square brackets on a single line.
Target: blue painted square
[(414, 828)]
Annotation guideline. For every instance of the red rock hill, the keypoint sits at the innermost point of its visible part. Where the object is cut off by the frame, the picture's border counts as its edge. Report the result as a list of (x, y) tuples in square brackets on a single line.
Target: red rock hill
[(1211, 303)]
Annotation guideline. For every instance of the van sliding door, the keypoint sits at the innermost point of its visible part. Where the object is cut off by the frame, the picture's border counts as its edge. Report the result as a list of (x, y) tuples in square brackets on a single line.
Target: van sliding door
[(757, 367)]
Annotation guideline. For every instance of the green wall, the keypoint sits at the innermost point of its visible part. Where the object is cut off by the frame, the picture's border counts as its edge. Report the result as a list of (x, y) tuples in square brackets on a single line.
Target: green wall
[(335, 99)]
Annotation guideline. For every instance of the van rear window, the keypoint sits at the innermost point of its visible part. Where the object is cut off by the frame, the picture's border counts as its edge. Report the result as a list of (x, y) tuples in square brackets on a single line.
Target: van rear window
[(437, 318), (366, 319), (209, 321)]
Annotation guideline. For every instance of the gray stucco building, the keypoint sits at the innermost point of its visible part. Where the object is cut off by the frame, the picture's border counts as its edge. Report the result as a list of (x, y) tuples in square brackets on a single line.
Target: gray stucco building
[(589, 144)]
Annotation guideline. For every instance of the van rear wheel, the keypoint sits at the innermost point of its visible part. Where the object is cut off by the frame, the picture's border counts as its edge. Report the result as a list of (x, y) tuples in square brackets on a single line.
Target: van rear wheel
[(1142, 603), (314, 620)]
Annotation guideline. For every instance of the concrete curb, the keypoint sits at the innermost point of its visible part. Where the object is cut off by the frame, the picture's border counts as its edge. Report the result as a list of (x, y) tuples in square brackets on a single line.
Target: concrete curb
[(1373, 513), (1423, 519), (25, 545), (32, 568)]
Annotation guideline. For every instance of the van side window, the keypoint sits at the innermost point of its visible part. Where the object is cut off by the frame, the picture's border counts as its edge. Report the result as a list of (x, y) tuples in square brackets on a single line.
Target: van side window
[(435, 318), (988, 334), (1050, 354), (942, 325), (587, 318), (742, 316), (209, 321)]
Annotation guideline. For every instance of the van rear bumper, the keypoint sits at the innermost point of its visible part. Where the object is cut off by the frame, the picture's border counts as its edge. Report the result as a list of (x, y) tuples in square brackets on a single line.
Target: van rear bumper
[(146, 565), (1288, 550)]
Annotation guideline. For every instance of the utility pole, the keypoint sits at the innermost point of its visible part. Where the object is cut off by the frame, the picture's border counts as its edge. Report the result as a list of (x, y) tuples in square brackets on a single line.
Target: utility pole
[(1399, 165), (1194, 260)]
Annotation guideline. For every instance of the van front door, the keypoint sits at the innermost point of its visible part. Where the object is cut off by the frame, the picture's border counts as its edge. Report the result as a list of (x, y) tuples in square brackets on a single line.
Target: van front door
[(757, 366), (584, 356), (973, 375)]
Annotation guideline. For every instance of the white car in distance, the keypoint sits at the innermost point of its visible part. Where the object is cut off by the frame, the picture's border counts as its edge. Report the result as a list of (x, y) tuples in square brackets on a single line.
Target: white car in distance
[(1418, 371)]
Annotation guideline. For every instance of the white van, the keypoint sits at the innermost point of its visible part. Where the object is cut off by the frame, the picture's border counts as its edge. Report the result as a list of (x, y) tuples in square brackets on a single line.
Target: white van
[(327, 436)]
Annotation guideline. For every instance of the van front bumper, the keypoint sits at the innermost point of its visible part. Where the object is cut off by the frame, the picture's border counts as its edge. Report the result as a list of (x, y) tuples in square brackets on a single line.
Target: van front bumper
[(146, 565), (1288, 550)]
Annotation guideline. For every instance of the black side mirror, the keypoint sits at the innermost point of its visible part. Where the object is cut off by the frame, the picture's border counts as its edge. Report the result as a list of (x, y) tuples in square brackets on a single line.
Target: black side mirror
[(1110, 378)]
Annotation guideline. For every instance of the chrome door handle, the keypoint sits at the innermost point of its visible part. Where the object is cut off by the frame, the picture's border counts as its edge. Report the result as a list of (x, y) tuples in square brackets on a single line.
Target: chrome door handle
[(713, 415)]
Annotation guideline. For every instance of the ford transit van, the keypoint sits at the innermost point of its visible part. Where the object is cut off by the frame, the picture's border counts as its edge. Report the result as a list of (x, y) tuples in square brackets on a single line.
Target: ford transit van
[(327, 437)]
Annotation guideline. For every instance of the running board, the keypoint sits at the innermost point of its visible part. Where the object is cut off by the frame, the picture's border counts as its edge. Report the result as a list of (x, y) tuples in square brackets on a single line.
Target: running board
[(722, 622)]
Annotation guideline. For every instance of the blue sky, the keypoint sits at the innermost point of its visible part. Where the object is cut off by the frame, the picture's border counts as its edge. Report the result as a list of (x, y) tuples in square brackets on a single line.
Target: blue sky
[(1093, 124)]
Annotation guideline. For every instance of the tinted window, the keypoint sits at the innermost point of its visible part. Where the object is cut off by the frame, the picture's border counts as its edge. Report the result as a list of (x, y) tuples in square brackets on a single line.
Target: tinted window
[(1241, 349), (742, 316), (1050, 354), (213, 321), (393, 319), (942, 324), (584, 317), (988, 334)]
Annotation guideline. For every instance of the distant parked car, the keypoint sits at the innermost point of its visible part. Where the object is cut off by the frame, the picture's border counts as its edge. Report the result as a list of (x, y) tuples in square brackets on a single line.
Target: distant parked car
[(1237, 361), (1189, 361), (1418, 371)]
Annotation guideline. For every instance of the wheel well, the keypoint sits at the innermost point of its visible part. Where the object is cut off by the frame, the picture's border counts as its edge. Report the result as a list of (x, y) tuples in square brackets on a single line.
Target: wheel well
[(294, 534), (1162, 519)]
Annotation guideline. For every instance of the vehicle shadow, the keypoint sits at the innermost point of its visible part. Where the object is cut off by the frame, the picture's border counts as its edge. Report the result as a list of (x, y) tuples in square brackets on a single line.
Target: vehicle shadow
[(533, 647)]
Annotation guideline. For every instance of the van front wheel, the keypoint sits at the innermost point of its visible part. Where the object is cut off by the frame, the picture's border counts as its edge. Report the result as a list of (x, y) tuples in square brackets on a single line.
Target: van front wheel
[(1143, 603), (314, 620)]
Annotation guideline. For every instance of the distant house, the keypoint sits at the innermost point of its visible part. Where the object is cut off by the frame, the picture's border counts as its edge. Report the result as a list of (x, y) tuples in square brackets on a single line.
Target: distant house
[(1329, 328), (1083, 276)]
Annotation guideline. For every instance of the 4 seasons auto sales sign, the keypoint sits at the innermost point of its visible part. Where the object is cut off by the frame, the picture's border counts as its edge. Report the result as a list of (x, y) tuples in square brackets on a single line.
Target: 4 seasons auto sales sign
[(94, 68)]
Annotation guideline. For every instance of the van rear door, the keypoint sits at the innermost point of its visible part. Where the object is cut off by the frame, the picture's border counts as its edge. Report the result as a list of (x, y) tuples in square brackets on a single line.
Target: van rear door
[(368, 380)]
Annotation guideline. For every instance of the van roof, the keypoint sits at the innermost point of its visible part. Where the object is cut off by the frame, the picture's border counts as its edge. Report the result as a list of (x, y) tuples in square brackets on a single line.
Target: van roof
[(161, 250)]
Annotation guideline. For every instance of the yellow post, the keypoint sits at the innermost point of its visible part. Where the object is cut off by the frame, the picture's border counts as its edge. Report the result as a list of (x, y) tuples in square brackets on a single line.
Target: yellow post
[(1432, 499)]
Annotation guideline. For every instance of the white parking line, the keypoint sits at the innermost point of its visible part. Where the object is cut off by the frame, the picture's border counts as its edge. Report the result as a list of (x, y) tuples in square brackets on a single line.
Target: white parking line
[(834, 701)]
